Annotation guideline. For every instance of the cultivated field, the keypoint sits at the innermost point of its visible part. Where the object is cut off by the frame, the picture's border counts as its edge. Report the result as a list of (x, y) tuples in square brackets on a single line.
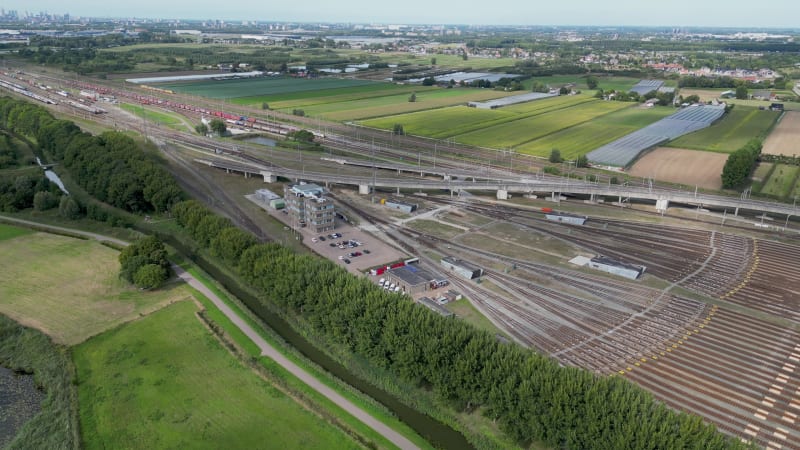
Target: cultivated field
[(516, 133), (580, 139), (785, 137), (398, 104), (781, 181), (254, 87), (449, 122), (731, 132), (676, 165), (165, 382), (69, 288)]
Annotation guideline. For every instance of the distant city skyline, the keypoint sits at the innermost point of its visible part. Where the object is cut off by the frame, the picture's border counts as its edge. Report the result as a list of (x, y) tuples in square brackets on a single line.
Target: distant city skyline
[(676, 13)]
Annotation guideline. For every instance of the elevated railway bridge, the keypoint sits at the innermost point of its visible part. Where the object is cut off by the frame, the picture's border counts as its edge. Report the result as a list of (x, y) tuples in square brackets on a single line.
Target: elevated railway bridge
[(550, 186)]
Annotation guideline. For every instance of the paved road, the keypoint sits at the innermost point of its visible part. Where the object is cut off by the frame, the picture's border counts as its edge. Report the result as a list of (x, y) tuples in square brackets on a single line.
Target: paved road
[(95, 236), (294, 369), (266, 349)]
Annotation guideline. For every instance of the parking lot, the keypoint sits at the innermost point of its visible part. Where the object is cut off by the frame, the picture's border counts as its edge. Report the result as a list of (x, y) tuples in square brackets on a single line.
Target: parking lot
[(373, 251)]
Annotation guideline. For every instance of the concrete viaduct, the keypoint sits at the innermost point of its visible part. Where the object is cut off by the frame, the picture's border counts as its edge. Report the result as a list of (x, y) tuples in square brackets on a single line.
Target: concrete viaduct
[(554, 187)]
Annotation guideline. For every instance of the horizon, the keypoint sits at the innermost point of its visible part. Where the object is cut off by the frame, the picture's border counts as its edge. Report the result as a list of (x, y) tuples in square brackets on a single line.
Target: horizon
[(579, 13)]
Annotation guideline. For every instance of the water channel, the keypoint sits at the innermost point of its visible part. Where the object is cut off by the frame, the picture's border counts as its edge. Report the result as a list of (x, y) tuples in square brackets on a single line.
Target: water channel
[(434, 431)]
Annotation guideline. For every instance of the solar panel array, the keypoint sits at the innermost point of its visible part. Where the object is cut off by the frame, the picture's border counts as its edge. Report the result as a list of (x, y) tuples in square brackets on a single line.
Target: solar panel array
[(626, 149), (645, 86)]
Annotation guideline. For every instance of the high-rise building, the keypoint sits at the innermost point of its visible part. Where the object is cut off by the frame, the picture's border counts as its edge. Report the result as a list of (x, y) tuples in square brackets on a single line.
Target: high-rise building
[(308, 208)]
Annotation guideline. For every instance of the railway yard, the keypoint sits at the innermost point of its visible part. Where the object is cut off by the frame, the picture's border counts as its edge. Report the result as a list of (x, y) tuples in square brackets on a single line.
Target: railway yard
[(711, 328)]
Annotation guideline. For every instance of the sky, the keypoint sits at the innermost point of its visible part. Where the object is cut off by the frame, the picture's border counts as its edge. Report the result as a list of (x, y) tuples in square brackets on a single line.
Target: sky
[(672, 13)]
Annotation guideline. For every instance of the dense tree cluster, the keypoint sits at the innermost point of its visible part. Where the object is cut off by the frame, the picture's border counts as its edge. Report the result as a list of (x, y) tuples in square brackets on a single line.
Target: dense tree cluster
[(145, 263), (8, 152), (18, 193), (529, 395), (111, 167), (740, 164)]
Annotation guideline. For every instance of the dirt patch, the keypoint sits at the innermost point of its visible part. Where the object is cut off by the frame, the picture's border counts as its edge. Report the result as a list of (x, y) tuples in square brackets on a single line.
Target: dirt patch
[(676, 165), (785, 136)]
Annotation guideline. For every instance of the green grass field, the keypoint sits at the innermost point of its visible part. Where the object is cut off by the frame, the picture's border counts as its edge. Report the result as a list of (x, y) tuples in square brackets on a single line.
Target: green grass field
[(519, 132), (69, 288), (10, 232), (587, 136), (305, 98), (152, 116), (448, 122), (731, 132), (259, 87), (398, 104), (165, 382), (781, 182)]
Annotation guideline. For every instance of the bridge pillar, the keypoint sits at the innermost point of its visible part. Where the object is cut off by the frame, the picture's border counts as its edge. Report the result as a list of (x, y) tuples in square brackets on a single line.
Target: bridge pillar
[(502, 194), (269, 177), (363, 189), (736, 212), (227, 170), (446, 178), (398, 190)]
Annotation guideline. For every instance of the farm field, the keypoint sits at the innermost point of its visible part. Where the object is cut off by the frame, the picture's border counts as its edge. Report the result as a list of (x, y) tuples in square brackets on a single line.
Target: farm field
[(605, 83), (516, 133), (304, 98), (785, 137), (260, 86), (580, 139), (448, 122), (781, 181), (69, 288), (399, 104), (682, 166), (731, 132), (165, 382)]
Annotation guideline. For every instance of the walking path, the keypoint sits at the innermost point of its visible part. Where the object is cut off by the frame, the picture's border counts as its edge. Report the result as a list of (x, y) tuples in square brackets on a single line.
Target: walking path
[(266, 349)]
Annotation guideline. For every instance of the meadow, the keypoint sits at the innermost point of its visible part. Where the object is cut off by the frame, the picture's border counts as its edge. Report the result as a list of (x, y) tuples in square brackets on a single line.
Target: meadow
[(166, 382), (152, 116), (69, 288), (10, 232), (731, 132)]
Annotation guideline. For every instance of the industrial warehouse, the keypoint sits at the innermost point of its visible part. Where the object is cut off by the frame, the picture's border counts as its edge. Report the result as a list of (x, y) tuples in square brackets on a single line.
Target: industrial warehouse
[(461, 268), (410, 278)]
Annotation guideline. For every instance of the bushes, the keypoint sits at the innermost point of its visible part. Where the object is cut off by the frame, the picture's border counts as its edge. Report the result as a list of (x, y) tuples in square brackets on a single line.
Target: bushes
[(145, 263), (740, 164)]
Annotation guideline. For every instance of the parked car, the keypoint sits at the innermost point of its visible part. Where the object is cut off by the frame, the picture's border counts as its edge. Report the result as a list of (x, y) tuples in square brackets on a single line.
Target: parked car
[(332, 244), (346, 261), (314, 239), (366, 252), (322, 238), (357, 253)]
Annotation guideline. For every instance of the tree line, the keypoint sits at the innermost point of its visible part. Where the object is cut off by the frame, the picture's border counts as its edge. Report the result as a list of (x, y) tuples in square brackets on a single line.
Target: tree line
[(110, 167), (528, 394)]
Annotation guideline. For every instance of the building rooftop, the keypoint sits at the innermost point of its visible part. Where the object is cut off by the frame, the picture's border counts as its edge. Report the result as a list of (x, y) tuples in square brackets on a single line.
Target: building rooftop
[(460, 263), (411, 275), (308, 189), (608, 261)]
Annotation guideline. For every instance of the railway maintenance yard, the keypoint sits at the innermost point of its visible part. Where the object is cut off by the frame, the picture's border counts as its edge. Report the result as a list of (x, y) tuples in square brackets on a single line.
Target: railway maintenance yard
[(708, 319), (710, 327)]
